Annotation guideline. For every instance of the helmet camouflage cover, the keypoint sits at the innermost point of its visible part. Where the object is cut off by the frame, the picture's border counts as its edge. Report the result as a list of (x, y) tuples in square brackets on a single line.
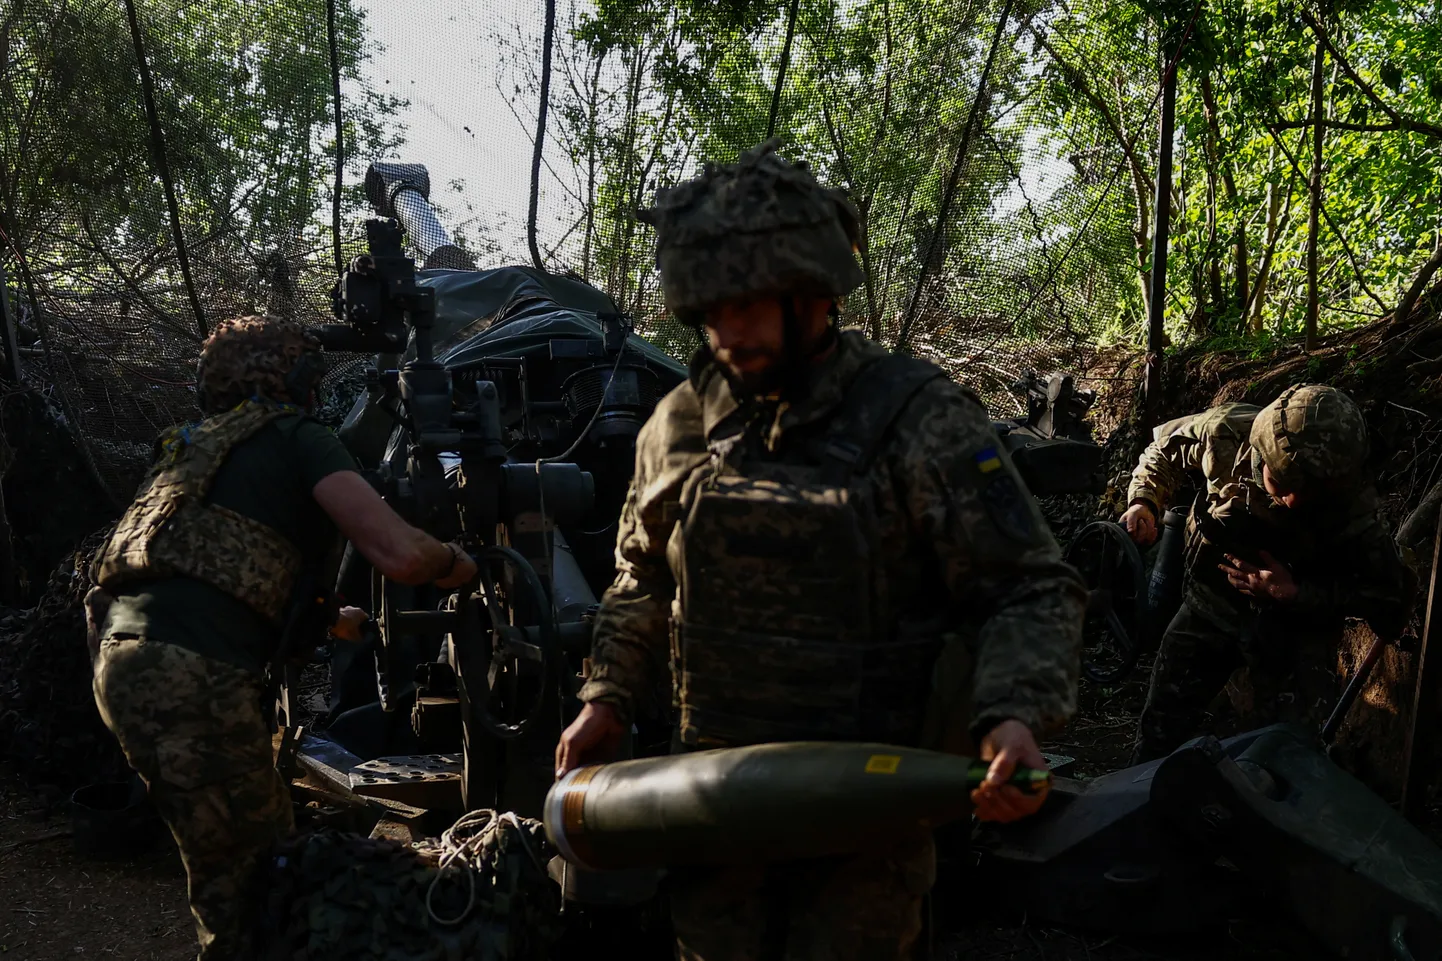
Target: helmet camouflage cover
[(1311, 436), (256, 357), (762, 226)]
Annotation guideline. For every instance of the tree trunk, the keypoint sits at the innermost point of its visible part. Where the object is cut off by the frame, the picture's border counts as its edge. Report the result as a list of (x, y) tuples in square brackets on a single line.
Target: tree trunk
[(621, 283), (1213, 292), (1229, 190), (1269, 249), (1141, 229), (1403, 313), (592, 109), (1314, 214)]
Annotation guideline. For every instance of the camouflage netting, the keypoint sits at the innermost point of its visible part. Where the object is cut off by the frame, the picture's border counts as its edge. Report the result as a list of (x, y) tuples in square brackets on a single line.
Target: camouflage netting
[(340, 897), (166, 174), (50, 730)]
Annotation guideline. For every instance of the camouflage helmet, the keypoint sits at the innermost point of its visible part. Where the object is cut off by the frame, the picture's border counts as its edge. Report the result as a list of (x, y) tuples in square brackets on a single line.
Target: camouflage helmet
[(257, 357), (762, 226), (1311, 437)]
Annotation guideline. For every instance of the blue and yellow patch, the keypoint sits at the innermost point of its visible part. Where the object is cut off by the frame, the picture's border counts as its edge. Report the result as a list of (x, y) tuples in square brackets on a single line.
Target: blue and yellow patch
[(987, 460)]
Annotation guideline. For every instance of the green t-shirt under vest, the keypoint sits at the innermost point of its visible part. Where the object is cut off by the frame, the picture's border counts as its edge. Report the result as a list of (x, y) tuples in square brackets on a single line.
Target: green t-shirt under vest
[(269, 478)]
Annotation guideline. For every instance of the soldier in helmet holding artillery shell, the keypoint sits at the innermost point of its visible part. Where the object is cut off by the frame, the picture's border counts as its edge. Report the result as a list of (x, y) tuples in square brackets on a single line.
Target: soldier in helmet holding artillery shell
[(813, 525)]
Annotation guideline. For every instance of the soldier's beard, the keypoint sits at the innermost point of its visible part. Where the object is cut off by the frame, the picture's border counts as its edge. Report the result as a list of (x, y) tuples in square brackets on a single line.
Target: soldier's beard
[(780, 369), (753, 377)]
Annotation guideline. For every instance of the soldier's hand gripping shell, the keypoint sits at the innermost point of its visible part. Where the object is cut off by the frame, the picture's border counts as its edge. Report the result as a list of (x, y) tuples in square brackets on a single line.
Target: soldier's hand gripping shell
[(1008, 746), (591, 738)]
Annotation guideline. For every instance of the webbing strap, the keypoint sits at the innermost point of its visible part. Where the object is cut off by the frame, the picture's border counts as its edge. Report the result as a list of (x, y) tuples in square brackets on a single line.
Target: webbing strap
[(874, 400)]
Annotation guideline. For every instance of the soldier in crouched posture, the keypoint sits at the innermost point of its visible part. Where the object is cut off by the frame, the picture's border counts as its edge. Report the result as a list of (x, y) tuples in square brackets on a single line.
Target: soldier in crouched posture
[(194, 586)]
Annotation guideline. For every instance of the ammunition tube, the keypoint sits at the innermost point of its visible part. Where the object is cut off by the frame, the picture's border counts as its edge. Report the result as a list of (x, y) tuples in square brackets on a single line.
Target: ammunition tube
[(768, 802)]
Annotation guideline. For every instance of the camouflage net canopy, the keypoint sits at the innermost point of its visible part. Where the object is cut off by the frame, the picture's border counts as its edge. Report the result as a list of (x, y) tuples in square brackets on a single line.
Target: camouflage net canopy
[(165, 164)]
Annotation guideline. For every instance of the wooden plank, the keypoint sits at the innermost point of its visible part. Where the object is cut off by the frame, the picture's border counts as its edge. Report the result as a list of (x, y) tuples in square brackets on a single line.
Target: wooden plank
[(1421, 748)]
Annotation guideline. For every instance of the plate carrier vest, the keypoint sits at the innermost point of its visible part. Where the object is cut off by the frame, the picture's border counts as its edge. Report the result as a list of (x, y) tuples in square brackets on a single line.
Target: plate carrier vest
[(785, 632), (170, 530)]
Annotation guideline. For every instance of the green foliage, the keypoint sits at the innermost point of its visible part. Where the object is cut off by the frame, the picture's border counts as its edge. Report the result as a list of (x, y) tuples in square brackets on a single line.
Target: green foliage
[(243, 92), (1046, 241), (877, 98)]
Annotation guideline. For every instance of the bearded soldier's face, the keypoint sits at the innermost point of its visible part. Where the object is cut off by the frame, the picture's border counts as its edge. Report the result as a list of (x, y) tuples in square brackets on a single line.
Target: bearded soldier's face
[(748, 338)]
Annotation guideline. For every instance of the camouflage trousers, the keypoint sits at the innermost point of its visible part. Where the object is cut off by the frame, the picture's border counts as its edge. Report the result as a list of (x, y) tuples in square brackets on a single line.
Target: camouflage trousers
[(865, 907), (1291, 667), (193, 729)]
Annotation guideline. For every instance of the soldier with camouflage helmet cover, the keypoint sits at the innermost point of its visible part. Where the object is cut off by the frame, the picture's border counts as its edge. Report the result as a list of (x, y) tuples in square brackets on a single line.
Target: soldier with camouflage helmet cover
[(1285, 540), (192, 589), (823, 541)]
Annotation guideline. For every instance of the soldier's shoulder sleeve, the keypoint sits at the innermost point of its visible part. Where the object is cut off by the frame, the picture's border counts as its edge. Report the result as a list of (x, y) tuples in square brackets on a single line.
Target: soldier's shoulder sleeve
[(1201, 442), (669, 448), (996, 557), (1229, 420), (315, 451), (628, 651), (957, 471)]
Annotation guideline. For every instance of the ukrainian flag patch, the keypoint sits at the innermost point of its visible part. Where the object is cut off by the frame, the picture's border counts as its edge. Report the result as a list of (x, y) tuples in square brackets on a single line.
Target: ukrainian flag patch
[(987, 460)]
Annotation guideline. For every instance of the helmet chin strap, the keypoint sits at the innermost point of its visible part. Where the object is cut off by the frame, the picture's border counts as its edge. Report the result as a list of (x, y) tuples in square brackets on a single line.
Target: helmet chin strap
[(796, 357), (790, 374), (303, 377)]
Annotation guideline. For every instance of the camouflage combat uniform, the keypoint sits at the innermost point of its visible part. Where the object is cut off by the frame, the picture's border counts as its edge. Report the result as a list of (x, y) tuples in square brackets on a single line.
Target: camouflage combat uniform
[(1338, 549), (808, 569), (202, 568), (193, 729)]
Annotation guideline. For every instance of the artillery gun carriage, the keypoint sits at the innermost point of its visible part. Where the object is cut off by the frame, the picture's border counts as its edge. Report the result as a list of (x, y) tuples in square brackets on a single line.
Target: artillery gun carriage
[(501, 410)]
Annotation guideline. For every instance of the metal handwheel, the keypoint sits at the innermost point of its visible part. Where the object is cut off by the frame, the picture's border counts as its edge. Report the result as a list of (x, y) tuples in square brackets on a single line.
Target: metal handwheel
[(497, 648), (1116, 583)]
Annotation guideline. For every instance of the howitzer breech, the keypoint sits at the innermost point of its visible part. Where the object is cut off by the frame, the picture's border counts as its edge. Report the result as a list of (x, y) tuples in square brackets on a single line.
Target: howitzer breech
[(769, 802)]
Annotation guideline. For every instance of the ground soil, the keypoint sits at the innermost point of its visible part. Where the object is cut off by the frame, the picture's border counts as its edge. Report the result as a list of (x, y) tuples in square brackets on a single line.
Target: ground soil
[(56, 904)]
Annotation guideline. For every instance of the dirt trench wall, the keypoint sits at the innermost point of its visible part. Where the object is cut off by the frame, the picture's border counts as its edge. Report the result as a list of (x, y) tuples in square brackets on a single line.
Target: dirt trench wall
[(1372, 742)]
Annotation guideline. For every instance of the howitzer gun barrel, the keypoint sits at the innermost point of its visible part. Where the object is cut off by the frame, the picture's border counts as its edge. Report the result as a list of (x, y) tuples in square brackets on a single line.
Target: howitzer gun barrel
[(768, 802), (403, 191)]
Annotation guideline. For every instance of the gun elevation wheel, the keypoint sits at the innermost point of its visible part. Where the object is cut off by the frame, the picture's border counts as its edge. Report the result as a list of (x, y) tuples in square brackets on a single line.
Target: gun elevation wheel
[(1116, 583), (516, 663)]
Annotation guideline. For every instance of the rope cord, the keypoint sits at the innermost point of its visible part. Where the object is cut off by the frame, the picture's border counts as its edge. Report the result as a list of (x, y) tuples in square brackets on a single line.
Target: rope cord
[(330, 17), (605, 395), (781, 70), (565, 455), (541, 133), (162, 166), (463, 844), (541, 495)]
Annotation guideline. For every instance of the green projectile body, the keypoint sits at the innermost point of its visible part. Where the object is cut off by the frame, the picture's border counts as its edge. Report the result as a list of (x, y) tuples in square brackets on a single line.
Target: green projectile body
[(768, 802)]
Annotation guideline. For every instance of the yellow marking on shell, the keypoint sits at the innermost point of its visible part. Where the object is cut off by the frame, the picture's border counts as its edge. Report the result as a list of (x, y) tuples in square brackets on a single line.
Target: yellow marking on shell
[(883, 763)]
